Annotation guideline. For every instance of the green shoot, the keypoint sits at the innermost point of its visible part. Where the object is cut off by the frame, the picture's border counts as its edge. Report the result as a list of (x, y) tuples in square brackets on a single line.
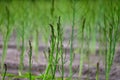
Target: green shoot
[(51, 52), (30, 61), (111, 29), (22, 52), (5, 66), (72, 39), (57, 51), (97, 71), (82, 49), (6, 38)]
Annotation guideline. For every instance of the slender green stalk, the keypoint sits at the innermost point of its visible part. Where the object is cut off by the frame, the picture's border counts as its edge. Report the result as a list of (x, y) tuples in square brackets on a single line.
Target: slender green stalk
[(51, 53), (22, 52), (47, 71), (61, 52), (57, 51), (82, 49), (88, 47), (4, 53), (30, 61), (6, 39), (71, 43), (106, 51), (5, 66), (52, 49), (97, 72), (111, 33), (62, 59)]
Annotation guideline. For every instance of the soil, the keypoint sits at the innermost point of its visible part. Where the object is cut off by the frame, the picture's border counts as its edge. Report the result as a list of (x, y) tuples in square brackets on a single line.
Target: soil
[(39, 65)]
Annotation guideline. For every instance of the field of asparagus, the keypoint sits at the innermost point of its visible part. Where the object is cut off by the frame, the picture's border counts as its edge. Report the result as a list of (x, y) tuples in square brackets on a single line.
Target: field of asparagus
[(59, 40)]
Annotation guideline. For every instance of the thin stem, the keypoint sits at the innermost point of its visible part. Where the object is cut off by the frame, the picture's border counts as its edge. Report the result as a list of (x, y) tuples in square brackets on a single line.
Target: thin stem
[(7, 35), (5, 66), (72, 38), (30, 61), (97, 72)]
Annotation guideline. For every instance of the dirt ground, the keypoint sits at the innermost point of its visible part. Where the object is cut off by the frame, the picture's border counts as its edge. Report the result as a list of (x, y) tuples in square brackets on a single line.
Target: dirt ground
[(38, 67)]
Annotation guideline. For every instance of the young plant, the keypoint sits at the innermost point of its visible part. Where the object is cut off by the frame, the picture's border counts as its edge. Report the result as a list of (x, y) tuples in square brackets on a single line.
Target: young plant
[(5, 66), (30, 61), (72, 39), (97, 71), (22, 50), (87, 46), (82, 48), (62, 60), (59, 50), (111, 30), (51, 53), (55, 51), (6, 38), (57, 45)]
